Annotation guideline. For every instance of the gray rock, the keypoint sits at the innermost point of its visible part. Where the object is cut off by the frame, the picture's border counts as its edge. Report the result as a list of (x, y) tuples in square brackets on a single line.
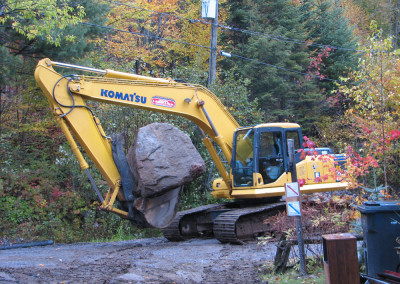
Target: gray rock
[(163, 158)]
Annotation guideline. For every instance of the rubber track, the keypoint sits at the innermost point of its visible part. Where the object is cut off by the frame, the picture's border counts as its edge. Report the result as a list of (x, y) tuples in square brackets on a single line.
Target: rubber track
[(225, 223), (173, 232)]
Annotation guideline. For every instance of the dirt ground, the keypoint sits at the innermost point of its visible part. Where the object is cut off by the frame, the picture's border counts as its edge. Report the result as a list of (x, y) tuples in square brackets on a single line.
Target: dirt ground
[(139, 261)]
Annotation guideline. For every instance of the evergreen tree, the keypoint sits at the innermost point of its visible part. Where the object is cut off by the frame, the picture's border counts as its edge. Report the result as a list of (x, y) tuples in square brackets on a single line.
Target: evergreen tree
[(284, 95), (325, 24)]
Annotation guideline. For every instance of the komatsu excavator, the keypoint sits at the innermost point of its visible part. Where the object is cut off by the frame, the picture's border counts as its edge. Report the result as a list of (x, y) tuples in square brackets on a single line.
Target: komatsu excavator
[(257, 155)]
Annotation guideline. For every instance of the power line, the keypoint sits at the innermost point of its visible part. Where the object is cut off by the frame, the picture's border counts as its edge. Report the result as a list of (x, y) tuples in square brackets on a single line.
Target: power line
[(207, 47), (283, 68), (275, 37), (286, 39)]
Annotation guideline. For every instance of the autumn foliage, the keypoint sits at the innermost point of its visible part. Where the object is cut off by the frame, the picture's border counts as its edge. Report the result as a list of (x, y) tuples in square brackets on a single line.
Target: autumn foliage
[(156, 36), (372, 110)]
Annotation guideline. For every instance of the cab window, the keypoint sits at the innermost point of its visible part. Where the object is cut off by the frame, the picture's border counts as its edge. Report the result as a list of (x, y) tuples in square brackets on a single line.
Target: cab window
[(292, 134), (270, 156), (295, 136)]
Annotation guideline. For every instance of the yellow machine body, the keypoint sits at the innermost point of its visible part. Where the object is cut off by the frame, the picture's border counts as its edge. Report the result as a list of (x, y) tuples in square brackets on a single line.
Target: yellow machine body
[(67, 96)]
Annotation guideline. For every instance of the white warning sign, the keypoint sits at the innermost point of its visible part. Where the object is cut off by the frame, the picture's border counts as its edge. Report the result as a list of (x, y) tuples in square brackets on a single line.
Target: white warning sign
[(293, 208), (292, 189)]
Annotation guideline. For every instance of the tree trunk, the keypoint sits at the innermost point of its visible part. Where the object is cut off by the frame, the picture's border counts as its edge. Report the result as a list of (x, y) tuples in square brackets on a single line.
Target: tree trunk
[(282, 254), (383, 124)]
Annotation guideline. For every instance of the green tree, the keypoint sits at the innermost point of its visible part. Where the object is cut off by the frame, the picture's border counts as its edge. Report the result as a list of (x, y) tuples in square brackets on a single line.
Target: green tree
[(326, 24), (40, 18), (283, 95)]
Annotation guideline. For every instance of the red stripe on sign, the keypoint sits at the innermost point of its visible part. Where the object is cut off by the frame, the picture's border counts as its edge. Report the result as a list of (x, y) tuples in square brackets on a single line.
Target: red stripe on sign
[(295, 192)]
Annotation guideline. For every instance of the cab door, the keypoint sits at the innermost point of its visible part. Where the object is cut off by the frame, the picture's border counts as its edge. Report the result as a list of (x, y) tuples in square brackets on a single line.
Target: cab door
[(271, 154)]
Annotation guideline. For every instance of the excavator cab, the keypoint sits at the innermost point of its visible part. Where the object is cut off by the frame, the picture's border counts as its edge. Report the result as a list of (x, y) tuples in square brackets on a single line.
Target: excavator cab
[(260, 153)]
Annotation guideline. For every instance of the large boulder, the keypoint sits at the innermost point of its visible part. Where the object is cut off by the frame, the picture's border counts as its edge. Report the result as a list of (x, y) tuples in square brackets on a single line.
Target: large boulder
[(163, 158)]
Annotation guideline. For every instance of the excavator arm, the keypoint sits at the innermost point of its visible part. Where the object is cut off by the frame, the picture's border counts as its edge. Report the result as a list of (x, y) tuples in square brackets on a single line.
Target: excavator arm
[(67, 96)]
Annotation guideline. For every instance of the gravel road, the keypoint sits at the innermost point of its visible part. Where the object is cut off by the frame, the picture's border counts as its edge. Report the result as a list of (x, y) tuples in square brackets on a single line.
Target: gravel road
[(139, 261)]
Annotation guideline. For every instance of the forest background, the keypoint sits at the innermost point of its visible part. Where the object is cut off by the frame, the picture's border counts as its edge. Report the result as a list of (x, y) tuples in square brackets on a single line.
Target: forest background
[(330, 65)]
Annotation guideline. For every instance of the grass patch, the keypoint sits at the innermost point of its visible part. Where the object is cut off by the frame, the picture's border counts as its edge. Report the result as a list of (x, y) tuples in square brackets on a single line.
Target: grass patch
[(126, 232), (292, 275)]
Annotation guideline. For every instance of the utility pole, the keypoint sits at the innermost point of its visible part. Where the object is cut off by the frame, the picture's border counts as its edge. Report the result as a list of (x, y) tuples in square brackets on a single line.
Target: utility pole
[(209, 11), (213, 48)]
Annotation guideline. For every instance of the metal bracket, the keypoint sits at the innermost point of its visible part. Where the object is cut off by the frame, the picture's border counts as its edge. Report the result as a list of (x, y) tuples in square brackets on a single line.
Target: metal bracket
[(127, 180)]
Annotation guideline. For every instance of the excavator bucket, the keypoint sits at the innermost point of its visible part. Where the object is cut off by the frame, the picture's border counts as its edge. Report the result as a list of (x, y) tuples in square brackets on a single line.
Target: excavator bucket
[(158, 211), (159, 162)]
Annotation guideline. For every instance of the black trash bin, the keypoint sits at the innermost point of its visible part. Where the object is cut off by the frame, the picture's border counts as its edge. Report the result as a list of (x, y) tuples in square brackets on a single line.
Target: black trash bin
[(381, 227)]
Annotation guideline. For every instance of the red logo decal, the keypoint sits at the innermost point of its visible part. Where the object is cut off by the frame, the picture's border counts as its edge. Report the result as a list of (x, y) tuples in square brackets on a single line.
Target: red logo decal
[(164, 102)]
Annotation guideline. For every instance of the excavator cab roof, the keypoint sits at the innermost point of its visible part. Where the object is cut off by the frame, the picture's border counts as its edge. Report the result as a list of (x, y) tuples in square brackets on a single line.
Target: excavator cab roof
[(278, 124)]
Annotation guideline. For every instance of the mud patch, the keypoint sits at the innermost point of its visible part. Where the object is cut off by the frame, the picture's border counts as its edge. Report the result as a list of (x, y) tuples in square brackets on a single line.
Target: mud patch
[(140, 261)]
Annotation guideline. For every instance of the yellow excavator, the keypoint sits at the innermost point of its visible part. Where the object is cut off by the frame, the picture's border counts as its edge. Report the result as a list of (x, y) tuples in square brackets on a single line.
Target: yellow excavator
[(257, 155)]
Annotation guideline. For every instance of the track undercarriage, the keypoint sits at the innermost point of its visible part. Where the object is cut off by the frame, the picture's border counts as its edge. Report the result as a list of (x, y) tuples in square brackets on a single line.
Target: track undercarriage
[(232, 222)]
